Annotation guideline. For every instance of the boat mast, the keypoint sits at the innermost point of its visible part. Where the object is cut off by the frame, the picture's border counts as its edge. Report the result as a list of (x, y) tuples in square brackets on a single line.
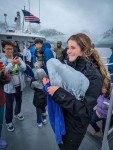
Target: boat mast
[(5, 15), (39, 9), (23, 23), (29, 22), (39, 15)]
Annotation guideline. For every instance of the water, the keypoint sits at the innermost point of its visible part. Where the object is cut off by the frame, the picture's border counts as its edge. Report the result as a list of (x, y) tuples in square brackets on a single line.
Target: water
[(105, 53)]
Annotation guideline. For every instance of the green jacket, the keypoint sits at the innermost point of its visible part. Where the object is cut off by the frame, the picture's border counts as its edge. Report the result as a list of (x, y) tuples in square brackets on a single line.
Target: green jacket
[(58, 52), (38, 55)]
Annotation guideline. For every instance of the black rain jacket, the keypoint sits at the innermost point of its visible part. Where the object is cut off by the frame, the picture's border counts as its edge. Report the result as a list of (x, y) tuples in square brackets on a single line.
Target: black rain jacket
[(77, 114)]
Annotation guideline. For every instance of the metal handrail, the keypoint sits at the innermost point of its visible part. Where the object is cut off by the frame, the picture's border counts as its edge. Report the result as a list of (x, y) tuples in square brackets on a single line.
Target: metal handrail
[(107, 58), (111, 129), (108, 64), (105, 144)]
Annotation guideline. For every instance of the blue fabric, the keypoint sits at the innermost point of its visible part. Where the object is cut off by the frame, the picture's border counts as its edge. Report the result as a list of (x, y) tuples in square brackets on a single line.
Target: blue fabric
[(46, 51), (29, 72), (56, 117), (32, 51), (1, 118), (47, 54), (110, 67)]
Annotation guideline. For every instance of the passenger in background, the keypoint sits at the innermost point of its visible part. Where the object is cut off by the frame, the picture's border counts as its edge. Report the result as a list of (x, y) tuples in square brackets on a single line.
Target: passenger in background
[(64, 56), (101, 110), (24, 52), (93, 45), (45, 50), (13, 90), (33, 57), (53, 48), (17, 50), (38, 45), (16, 46), (4, 79), (27, 54), (2, 46), (58, 50), (110, 67)]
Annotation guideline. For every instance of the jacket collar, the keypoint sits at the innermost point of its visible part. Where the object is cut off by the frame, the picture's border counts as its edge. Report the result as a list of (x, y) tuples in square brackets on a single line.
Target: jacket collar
[(78, 64), (45, 45)]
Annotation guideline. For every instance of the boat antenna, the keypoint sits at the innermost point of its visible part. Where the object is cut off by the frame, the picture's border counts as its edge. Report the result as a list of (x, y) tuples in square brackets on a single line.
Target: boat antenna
[(39, 15), (5, 15), (39, 9), (29, 22), (23, 23)]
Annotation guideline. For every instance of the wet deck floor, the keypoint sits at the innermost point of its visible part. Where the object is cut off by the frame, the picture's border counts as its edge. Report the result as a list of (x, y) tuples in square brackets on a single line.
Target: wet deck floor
[(27, 136)]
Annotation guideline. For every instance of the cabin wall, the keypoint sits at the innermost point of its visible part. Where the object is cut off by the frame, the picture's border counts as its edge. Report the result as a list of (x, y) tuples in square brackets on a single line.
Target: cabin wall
[(22, 40)]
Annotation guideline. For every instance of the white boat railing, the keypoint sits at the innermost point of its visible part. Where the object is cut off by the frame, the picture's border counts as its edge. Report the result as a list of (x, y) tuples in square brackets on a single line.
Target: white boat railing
[(108, 131), (108, 64), (105, 58)]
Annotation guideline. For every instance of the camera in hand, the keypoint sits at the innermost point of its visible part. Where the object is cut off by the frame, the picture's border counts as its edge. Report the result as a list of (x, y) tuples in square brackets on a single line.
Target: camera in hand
[(15, 55)]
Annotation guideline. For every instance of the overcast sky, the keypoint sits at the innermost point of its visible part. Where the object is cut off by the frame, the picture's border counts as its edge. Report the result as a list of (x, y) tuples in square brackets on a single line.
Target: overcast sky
[(67, 16)]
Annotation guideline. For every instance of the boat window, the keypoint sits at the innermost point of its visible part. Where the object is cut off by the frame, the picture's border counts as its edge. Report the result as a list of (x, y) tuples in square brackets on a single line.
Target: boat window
[(33, 38), (9, 37)]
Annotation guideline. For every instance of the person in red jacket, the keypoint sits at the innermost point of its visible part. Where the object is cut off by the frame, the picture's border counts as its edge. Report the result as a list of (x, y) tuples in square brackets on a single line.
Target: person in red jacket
[(4, 79)]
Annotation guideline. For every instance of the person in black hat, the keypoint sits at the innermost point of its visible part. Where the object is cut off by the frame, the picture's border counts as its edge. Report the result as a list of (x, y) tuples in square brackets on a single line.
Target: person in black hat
[(44, 50), (110, 67)]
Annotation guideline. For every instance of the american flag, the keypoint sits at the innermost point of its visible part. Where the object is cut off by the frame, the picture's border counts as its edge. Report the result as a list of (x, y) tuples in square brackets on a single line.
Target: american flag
[(30, 17)]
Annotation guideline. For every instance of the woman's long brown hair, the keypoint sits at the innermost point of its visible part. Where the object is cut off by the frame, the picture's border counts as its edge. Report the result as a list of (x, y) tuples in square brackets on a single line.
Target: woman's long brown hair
[(86, 47)]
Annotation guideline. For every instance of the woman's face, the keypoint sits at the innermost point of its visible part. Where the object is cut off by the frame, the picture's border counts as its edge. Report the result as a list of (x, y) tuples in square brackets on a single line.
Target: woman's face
[(104, 90), (38, 46), (8, 49), (73, 50)]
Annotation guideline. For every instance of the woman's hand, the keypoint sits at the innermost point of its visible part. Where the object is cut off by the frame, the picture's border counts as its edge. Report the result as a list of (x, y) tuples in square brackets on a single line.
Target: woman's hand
[(2, 67), (45, 81), (16, 60), (51, 89)]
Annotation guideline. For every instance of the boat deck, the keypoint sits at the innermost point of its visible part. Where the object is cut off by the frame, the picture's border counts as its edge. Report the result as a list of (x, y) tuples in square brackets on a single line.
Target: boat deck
[(27, 136)]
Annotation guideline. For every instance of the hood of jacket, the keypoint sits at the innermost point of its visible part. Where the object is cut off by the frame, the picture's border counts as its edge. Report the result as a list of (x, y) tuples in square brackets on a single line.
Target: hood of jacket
[(45, 45), (39, 74)]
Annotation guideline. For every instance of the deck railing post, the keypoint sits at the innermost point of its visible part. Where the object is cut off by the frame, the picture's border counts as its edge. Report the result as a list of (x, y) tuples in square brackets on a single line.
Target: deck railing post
[(105, 144)]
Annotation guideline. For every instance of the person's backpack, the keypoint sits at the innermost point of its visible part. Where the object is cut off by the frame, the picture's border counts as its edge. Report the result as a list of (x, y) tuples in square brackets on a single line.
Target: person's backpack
[(39, 99)]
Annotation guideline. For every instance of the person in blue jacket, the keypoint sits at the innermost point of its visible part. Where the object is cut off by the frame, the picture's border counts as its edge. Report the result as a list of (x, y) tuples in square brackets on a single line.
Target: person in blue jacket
[(45, 50), (110, 67), (33, 57)]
